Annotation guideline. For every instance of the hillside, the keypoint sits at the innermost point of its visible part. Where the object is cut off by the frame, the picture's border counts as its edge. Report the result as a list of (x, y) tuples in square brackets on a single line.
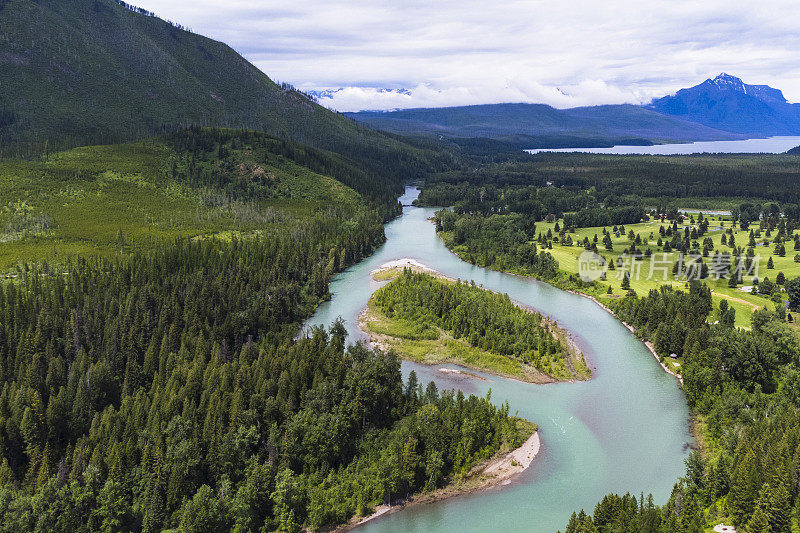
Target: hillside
[(534, 125), (97, 72), (114, 200), (727, 103)]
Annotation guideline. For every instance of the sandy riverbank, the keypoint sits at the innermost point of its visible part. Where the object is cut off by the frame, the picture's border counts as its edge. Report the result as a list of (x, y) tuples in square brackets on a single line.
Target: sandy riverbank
[(461, 373), (392, 269), (496, 472), (405, 262), (648, 344)]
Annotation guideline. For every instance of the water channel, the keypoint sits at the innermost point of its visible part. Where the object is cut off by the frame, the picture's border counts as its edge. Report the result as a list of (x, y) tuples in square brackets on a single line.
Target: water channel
[(626, 430)]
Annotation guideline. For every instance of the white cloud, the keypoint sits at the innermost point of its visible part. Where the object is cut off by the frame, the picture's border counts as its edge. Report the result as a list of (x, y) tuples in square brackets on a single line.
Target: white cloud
[(588, 92), (449, 52)]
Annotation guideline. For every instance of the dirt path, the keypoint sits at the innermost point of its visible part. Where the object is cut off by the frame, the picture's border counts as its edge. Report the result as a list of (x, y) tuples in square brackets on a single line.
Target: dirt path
[(735, 299)]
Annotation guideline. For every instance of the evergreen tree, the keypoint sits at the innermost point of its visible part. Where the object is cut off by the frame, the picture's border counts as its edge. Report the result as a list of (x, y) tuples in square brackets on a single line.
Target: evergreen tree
[(745, 483), (780, 510)]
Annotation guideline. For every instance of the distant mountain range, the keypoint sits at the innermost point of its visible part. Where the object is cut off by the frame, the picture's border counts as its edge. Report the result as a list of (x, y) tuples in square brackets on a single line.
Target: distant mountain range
[(98, 71), (729, 104), (536, 124), (722, 108)]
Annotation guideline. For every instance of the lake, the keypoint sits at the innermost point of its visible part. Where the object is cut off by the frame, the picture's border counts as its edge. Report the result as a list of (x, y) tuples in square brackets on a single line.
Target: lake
[(771, 145), (626, 430)]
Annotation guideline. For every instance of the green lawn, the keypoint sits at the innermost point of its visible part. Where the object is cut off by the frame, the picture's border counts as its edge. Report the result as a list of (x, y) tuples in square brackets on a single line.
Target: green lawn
[(743, 302)]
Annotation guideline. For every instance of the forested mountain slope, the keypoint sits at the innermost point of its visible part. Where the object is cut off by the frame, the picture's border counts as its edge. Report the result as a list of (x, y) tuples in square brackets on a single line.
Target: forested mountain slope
[(97, 72), (151, 372), (114, 200)]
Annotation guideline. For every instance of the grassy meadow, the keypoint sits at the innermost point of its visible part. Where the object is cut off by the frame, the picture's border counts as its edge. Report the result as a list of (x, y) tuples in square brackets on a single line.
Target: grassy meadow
[(742, 300), (111, 200)]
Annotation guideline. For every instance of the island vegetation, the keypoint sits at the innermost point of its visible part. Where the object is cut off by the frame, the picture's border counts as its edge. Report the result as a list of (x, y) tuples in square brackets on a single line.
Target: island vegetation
[(430, 319)]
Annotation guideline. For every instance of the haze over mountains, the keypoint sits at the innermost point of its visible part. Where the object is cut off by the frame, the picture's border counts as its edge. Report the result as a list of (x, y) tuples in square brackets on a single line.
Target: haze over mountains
[(722, 108), (532, 124)]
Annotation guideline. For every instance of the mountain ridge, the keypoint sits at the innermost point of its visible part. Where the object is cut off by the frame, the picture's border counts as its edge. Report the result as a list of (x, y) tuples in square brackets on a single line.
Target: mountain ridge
[(99, 71), (720, 108), (727, 103), (537, 121)]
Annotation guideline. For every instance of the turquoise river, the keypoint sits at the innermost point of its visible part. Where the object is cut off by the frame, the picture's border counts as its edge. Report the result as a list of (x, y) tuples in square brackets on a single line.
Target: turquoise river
[(626, 430)]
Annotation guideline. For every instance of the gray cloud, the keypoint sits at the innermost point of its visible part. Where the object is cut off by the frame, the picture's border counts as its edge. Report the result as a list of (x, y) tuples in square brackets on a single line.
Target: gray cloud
[(564, 53)]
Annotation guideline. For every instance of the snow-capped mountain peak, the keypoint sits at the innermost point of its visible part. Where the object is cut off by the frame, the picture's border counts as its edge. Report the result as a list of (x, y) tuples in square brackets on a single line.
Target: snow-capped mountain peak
[(765, 93), (728, 82), (727, 103)]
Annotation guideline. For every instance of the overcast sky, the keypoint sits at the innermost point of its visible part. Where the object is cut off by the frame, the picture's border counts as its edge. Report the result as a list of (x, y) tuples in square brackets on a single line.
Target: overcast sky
[(563, 53)]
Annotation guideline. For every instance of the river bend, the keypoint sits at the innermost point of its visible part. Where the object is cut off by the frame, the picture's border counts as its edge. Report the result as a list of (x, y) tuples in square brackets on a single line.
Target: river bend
[(626, 430)]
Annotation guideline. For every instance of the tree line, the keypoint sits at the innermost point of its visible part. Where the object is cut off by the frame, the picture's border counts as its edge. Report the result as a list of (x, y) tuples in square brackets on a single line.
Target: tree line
[(500, 242), (610, 178)]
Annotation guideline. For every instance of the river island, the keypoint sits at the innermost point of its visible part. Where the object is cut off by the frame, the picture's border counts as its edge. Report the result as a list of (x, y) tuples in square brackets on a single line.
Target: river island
[(432, 319)]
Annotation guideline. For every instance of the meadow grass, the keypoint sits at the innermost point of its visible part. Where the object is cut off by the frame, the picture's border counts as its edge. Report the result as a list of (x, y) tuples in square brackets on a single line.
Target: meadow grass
[(111, 200)]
